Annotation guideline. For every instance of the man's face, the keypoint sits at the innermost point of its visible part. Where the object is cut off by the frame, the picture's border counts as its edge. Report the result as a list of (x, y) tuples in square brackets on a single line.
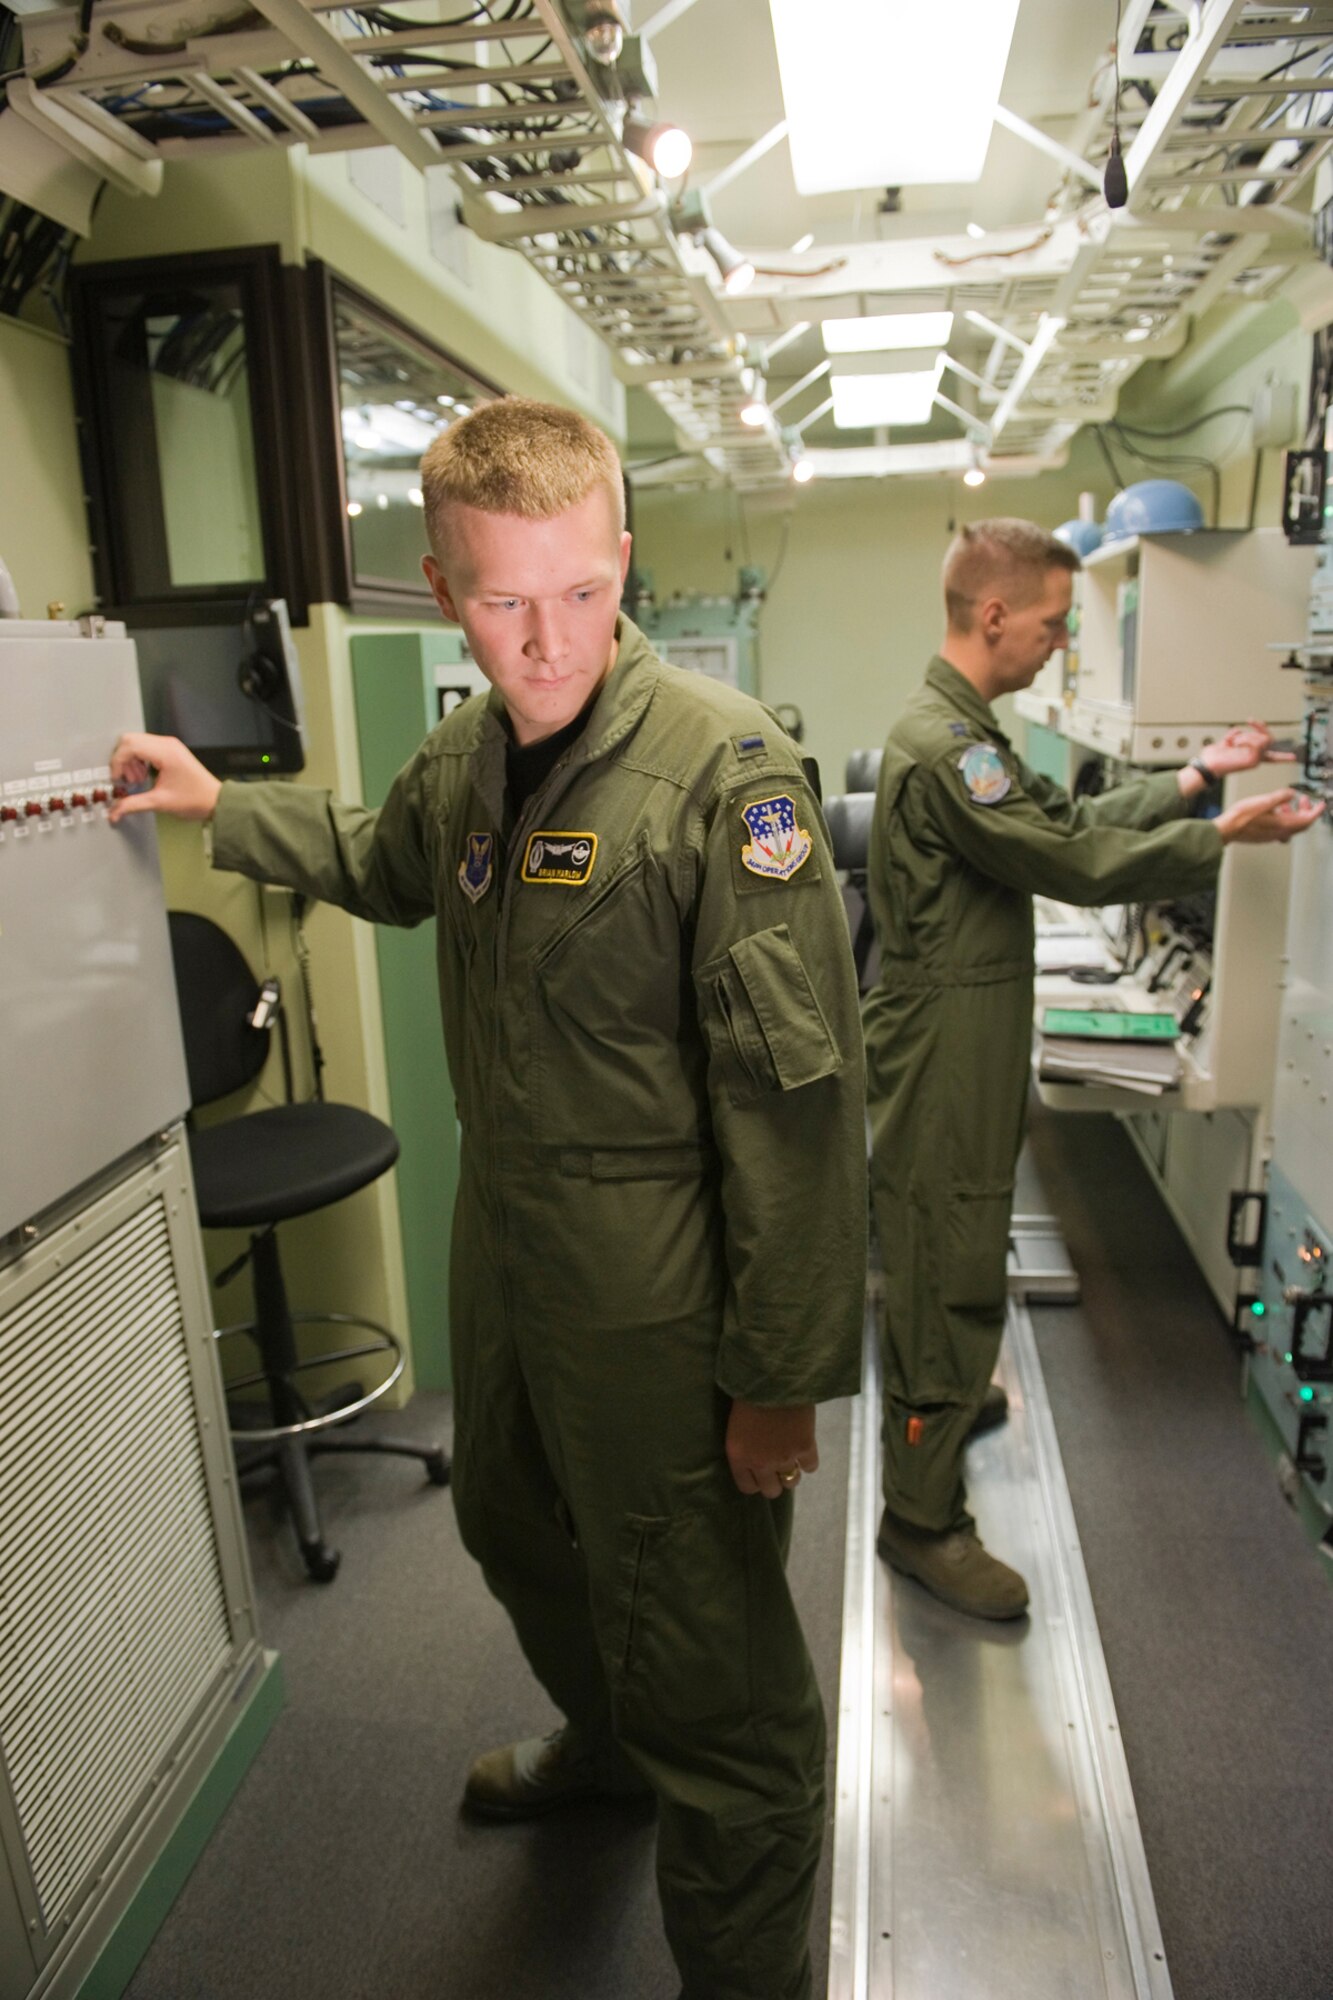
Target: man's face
[(1024, 639), (538, 602)]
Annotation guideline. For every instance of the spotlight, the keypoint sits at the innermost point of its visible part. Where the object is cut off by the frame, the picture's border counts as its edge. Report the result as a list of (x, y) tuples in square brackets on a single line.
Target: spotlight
[(1115, 181), (603, 31), (754, 411), (974, 476), (737, 271), (665, 147), (803, 471)]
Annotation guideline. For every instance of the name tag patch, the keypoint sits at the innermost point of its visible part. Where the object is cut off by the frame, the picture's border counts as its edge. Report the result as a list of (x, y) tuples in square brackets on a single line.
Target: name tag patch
[(777, 846), (477, 868), (565, 859), (984, 774)]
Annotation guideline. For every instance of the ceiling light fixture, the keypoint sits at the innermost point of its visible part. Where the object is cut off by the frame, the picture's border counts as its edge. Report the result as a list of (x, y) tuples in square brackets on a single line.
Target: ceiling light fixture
[(890, 96), (802, 470), (664, 146), (690, 215), (603, 31), (737, 270), (904, 396), (754, 411), (881, 332)]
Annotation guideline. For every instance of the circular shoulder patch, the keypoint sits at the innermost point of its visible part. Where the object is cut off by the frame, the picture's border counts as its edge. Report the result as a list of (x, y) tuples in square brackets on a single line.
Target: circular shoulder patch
[(984, 774)]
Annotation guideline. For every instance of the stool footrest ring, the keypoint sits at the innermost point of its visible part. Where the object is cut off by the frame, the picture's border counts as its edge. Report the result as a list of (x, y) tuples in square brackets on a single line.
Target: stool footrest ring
[(389, 1344)]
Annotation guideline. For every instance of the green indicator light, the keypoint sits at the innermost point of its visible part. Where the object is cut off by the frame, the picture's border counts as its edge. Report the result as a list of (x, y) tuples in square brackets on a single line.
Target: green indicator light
[(1307, 1395), (1258, 1308), (1287, 1359), (266, 759)]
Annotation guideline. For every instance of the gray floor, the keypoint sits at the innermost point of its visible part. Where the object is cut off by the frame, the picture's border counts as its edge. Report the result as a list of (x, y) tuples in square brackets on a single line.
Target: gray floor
[(342, 1870)]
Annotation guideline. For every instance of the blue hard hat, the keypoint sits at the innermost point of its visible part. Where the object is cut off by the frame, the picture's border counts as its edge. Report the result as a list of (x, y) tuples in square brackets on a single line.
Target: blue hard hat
[(1081, 536), (1153, 507)]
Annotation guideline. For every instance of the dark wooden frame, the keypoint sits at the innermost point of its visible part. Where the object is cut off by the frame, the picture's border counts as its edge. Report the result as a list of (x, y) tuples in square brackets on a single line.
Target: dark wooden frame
[(122, 497), (296, 413), (361, 593)]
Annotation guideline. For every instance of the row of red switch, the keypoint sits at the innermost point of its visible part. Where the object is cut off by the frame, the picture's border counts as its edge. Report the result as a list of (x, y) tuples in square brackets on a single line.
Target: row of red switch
[(34, 808)]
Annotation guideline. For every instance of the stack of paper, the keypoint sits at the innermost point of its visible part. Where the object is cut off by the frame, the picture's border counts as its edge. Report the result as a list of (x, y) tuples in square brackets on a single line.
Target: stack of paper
[(1148, 1067)]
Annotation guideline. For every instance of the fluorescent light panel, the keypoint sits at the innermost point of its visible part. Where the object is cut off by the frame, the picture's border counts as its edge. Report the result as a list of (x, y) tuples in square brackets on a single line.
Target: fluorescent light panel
[(882, 94), (860, 402), (882, 331)]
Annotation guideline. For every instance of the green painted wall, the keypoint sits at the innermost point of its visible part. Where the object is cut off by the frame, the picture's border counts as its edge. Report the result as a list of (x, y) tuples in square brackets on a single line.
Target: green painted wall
[(43, 527), (853, 609)]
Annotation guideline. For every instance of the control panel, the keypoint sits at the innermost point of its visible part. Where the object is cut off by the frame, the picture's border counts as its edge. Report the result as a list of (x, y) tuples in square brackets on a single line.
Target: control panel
[(1291, 1325), (92, 1063)]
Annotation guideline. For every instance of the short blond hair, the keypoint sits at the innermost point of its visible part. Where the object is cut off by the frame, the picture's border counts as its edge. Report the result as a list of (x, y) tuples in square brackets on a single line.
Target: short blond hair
[(518, 456), (1001, 558)]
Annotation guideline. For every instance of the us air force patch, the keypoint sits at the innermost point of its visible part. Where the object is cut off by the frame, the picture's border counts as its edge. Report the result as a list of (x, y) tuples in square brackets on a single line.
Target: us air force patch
[(563, 858), (474, 873), (777, 846), (984, 774)]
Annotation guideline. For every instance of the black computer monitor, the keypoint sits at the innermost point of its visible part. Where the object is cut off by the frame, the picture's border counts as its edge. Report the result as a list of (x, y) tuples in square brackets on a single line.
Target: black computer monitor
[(228, 686)]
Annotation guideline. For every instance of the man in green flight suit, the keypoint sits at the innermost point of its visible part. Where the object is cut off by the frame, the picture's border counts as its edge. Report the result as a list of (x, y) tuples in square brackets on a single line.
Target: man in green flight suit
[(964, 835), (651, 1023)]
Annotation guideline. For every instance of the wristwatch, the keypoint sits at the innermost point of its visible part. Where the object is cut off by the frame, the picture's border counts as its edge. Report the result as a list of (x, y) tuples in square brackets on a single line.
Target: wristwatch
[(1209, 777)]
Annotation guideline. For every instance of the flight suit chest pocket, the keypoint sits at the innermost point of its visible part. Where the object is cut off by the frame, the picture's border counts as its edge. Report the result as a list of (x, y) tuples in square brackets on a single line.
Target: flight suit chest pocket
[(761, 1018), (610, 1062)]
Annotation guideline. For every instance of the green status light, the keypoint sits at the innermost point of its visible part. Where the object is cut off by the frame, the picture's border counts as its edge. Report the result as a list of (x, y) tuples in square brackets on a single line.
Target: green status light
[(1287, 1359), (1258, 1308), (266, 759), (1307, 1395)]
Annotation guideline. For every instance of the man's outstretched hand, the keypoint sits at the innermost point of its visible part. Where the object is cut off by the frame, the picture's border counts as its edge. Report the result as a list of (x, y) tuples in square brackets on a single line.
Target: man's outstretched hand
[(1268, 816), (180, 784)]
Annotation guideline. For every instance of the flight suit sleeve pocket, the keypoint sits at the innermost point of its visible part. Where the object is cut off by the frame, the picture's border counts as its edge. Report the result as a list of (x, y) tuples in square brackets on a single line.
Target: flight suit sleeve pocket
[(762, 1020), (977, 1251)]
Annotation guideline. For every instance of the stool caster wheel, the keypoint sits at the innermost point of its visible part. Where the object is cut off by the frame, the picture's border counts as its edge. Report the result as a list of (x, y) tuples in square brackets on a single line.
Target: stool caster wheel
[(437, 1469), (321, 1561)]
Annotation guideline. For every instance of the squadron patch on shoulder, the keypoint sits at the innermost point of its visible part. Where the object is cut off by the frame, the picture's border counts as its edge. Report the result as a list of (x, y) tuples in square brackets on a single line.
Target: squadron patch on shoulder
[(984, 774), (959, 729), (476, 870), (777, 846), (562, 858), (748, 746)]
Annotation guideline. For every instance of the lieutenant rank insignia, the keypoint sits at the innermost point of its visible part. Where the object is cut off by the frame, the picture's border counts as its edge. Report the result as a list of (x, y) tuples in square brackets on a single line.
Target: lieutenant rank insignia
[(474, 873), (777, 845), (984, 774), (564, 858)]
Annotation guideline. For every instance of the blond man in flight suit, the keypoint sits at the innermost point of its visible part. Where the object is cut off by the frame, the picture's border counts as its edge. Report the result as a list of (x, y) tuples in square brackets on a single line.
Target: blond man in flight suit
[(650, 1016), (964, 836)]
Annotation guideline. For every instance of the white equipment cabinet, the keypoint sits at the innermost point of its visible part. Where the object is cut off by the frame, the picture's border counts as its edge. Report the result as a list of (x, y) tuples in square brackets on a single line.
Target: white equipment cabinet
[(1175, 639), (133, 1689), (1174, 643)]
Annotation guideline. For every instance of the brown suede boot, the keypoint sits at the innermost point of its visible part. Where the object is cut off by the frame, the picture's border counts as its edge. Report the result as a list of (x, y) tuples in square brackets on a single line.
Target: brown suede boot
[(954, 1567), (994, 1409), (539, 1775)]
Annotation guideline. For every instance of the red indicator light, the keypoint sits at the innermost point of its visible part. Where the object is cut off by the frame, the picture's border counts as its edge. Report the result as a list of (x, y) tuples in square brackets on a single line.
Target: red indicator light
[(99, 797), (56, 805), (79, 799), (32, 810), (7, 813)]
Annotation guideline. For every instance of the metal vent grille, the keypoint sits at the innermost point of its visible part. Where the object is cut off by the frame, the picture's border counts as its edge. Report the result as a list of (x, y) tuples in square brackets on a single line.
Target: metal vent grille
[(113, 1620)]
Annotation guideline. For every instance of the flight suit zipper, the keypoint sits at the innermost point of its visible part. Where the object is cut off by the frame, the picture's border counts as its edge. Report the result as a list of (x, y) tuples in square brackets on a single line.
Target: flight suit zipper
[(541, 801)]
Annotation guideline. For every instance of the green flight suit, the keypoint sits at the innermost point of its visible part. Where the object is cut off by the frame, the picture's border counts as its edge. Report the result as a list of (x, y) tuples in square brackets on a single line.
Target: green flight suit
[(953, 868), (650, 1016)]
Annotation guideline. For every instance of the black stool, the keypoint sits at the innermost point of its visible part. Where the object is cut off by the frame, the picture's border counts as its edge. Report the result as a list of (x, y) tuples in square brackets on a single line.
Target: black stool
[(253, 1173)]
